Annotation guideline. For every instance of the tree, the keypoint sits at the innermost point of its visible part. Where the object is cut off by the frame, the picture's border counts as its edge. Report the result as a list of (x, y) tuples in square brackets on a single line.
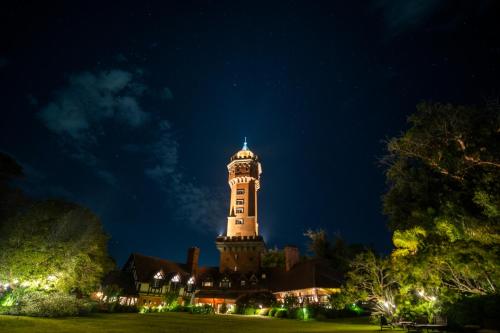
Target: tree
[(54, 245), (273, 258), (372, 279), (337, 251), (11, 198), (443, 201)]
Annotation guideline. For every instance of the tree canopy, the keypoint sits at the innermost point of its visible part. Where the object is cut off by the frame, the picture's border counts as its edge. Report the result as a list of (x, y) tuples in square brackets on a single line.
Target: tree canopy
[(48, 245), (443, 201)]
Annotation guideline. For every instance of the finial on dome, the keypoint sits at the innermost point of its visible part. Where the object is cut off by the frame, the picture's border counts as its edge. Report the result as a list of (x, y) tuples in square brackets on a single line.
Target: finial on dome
[(245, 146)]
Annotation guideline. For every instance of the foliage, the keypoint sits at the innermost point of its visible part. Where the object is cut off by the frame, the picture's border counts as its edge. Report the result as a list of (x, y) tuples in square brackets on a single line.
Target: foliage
[(272, 312), (444, 200), (281, 313), (11, 199), (256, 299), (202, 309), (46, 304), (340, 301), (335, 250), (273, 258), (291, 301), (263, 311), (372, 279), (474, 310), (54, 245), (223, 308), (171, 298)]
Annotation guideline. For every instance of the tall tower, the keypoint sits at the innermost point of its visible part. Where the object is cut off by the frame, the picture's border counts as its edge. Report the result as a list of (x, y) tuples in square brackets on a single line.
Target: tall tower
[(241, 246)]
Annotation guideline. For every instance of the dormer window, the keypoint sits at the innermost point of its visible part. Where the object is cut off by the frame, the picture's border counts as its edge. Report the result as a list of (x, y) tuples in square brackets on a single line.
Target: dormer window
[(157, 279), (190, 284), (225, 283), (176, 278)]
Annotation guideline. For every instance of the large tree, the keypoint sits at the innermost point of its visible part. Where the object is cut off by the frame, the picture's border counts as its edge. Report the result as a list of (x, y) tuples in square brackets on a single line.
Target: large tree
[(53, 245), (443, 200)]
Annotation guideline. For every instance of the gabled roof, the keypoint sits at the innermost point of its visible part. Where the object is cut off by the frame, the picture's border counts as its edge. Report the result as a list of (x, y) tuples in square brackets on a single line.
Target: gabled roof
[(146, 267), (123, 280), (313, 273)]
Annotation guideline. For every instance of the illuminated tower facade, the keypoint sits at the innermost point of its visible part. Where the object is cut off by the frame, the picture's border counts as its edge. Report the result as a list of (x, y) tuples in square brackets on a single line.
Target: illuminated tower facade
[(241, 246)]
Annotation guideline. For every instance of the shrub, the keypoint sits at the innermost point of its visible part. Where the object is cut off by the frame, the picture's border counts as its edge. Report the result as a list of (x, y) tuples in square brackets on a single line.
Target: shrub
[(223, 308), (202, 309), (256, 299), (42, 304), (249, 311), (272, 312), (281, 313), (263, 312), (477, 310)]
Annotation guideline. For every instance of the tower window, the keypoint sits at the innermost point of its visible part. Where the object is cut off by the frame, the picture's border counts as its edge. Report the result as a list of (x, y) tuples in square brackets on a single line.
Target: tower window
[(239, 210), (239, 221), (240, 202), (240, 191)]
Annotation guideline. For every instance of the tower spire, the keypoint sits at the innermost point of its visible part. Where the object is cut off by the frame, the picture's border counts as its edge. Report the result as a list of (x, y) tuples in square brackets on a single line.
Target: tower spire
[(245, 145)]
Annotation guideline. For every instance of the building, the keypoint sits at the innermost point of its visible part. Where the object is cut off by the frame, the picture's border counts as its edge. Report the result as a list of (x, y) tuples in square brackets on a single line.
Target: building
[(146, 280)]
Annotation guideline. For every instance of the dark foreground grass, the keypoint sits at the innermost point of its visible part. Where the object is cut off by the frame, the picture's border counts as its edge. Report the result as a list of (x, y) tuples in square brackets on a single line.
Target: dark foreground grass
[(179, 323)]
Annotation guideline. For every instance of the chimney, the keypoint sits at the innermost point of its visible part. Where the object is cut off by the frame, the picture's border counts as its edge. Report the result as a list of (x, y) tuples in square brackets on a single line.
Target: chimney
[(291, 256), (192, 259)]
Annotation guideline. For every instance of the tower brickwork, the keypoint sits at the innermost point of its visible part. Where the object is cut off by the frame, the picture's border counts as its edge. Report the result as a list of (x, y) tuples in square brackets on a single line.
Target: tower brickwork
[(242, 246)]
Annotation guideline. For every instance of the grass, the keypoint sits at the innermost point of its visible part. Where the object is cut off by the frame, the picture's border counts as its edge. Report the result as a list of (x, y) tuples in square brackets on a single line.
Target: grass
[(178, 323)]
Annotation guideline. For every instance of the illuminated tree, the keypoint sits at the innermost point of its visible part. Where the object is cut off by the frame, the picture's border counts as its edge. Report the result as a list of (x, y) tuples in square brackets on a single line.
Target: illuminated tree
[(444, 199), (54, 245)]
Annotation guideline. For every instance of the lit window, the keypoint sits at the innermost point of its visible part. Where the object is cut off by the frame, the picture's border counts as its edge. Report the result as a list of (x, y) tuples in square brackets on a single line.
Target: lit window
[(207, 284), (239, 221), (191, 280), (239, 210), (243, 282), (240, 191), (157, 278), (240, 202), (225, 283), (176, 278)]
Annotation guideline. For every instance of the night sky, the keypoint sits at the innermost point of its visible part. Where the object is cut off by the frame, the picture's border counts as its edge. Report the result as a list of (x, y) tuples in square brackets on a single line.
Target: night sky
[(134, 109)]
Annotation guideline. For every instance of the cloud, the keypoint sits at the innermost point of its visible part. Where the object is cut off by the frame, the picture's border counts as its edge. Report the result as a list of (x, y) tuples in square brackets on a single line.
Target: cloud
[(167, 94), (79, 111), (400, 16), (88, 100), (198, 206)]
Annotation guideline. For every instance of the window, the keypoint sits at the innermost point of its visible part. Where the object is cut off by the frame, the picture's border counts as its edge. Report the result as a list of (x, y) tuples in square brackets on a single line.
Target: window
[(240, 191), (240, 202), (157, 279), (239, 210), (207, 284), (243, 282), (225, 283), (239, 221)]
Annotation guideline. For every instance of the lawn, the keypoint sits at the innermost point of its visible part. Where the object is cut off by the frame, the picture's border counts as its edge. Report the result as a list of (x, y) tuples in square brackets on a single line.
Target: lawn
[(179, 323)]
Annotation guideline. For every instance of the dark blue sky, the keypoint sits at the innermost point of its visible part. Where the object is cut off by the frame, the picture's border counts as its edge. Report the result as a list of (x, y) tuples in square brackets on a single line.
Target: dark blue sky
[(134, 109)]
